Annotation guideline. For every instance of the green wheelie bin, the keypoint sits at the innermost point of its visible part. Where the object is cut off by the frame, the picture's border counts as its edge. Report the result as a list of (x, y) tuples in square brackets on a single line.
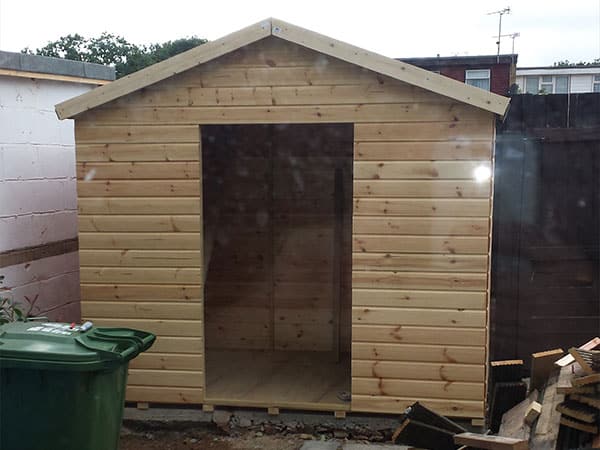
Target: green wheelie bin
[(62, 386)]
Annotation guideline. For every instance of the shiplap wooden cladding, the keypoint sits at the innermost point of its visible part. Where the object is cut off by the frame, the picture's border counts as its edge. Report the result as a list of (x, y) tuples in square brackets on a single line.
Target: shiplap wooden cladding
[(420, 221)]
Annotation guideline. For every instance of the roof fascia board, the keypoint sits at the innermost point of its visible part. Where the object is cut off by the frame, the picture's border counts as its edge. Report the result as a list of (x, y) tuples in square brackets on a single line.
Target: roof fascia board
[(164, 69), (387, 66)]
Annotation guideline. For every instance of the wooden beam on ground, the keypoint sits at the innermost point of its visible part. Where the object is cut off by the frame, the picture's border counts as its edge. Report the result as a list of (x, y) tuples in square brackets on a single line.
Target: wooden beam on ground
[(490, 442), (505, 396), (422, 414), (208, 408), (514, 421), (506, 370), (581, 426), (542, 366), (273, 411), (421, 435), (587, 368), (545, 432), (568, 359), (578, 411), (142, 406), (586, 400), (586, 380), (533, 412), (339, 414)]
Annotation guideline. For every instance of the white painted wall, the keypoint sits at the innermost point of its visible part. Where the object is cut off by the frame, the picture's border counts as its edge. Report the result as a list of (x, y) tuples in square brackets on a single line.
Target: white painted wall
[(580, 79), (38, 200)]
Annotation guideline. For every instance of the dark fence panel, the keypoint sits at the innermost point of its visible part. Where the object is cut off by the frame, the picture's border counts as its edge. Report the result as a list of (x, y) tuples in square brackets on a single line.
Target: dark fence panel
[(546, 246)]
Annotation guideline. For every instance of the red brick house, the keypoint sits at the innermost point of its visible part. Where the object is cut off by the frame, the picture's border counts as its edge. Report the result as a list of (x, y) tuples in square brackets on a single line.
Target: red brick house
[(490, 72)]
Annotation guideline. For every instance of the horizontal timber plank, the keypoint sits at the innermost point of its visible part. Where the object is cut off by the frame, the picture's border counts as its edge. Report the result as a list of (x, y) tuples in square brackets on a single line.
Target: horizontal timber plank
[(141, 292), (172, 328), (168, 361), (331, 73), (146, 275), (418, 388), (421, 189), (140, 258), (397, 170), (418, 335), (418, 371), (420, 244), (423, 151), (177, 345), (422, 207), (447, 226), (419, 299), (135, 188), (418, 353), (116, 152), (396, 405), (420, 262), (136, 134), (420, 280), (143, 310), (425, 131), (412, 316), (140, 223), (139, 205), (397, 112), (172, 170), (170, 378), (279, 95), (161, 394), (147, 241)]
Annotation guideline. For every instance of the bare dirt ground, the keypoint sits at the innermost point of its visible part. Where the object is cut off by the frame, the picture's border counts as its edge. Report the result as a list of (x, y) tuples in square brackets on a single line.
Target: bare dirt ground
[(198, 437)]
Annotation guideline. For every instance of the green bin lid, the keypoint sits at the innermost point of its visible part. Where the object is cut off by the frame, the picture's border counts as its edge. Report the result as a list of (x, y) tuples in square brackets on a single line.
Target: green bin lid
[(61, 346)]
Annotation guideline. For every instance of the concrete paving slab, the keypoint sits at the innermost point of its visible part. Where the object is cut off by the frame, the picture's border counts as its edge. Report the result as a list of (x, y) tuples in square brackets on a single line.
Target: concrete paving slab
[(321, 445), (354, 446)]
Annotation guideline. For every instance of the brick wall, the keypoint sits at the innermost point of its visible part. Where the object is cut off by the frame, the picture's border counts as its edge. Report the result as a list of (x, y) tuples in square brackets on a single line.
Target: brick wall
[(38, 202)]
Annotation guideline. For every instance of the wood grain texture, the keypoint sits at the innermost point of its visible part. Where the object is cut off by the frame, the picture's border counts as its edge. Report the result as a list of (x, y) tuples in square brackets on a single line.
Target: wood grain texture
[(450, 408), (421, 189), (140, 258), (421, 227)]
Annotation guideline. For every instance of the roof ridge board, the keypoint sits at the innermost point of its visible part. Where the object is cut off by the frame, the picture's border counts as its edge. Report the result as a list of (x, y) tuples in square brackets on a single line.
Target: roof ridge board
[(278, 28)]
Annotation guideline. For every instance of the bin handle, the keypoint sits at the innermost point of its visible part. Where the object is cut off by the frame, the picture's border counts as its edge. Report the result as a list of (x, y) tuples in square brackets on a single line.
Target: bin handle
[(144, 339), (127, 354)]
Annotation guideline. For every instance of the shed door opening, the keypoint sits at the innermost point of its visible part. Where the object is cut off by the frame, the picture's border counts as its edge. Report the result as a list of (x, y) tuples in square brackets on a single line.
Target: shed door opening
[(277, 218)]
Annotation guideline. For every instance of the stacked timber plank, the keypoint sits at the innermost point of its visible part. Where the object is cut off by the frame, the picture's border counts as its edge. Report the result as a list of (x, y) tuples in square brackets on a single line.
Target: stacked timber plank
[(581, 386), (563, 405)]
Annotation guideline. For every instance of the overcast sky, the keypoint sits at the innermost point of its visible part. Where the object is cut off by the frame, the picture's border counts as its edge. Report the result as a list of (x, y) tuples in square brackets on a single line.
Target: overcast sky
[(551, 30)]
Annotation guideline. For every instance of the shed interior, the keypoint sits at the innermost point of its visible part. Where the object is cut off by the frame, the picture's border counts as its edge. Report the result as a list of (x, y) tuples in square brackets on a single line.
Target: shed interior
[(277, 205)]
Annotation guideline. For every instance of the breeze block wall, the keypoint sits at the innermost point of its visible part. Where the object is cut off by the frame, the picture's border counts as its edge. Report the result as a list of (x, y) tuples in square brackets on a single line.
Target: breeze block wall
[(38, 199)]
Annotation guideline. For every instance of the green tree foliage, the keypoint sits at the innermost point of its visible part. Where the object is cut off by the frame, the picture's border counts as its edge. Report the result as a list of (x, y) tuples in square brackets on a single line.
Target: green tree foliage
[(567, 63), (114, 50)]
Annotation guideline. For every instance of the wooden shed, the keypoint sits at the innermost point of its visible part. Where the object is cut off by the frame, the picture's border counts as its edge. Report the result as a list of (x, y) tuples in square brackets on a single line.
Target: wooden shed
[(298, 220)]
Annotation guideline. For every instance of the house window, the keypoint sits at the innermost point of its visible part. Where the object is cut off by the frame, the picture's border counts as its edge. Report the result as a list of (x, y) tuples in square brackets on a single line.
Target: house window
[(596, 84), (546, 86), (561, 84), (532, 85), (478, 78)]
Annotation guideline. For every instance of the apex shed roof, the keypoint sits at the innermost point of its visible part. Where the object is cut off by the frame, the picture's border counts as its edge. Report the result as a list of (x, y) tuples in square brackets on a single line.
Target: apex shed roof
[(273, 27)]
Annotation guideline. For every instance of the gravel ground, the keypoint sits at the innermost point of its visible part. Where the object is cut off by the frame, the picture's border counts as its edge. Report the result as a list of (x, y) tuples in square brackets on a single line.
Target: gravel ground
[(197, 437)]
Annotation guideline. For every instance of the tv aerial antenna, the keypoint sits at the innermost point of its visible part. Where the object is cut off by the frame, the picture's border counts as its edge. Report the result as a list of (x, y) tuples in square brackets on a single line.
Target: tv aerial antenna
[(513, 36), (500, 14)]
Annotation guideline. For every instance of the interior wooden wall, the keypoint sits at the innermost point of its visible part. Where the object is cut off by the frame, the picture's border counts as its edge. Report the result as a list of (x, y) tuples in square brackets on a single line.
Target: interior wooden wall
[(270, 220), (421, 223)]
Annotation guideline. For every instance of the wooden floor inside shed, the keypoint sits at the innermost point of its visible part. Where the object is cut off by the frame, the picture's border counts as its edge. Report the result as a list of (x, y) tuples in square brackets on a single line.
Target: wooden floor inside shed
[(283, 379)]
